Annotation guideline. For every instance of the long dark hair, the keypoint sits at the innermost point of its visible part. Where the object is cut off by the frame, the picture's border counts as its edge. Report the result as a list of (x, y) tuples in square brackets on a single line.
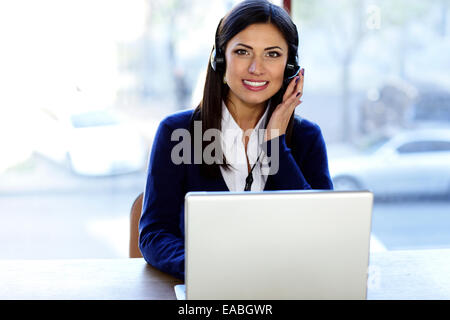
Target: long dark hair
[(215, 91)]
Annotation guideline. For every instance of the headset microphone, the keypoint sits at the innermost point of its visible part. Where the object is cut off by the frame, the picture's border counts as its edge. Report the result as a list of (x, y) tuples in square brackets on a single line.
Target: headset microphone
[(295, 73)]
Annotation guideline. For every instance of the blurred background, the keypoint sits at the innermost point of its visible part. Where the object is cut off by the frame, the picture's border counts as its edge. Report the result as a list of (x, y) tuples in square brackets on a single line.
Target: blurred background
[(84, 85)]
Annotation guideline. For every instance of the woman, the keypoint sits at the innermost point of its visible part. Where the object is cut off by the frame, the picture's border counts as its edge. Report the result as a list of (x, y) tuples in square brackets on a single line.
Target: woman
[(253, 83)]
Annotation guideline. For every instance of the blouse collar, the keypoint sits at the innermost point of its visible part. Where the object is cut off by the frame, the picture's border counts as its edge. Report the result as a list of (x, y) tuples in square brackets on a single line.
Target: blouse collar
[(231, 130)]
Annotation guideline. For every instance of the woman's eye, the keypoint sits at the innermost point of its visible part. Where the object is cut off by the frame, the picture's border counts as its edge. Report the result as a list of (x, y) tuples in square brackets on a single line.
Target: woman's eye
[(241, 52), (273, 54)]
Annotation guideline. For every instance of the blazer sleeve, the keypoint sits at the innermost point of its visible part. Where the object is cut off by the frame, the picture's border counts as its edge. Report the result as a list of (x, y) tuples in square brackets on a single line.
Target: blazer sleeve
[(315, 163), (306, 169), (160, 238)]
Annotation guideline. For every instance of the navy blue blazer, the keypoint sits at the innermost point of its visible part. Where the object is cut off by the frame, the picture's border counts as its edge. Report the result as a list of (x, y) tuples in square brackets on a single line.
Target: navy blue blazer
[(161, 227)]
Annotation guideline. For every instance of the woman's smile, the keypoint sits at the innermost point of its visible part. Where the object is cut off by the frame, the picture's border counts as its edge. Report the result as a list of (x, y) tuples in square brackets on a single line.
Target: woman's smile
[(255, 85)]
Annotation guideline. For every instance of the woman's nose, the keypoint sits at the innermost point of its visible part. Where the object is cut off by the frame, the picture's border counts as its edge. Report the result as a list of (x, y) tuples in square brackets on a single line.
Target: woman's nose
[(256, 67)]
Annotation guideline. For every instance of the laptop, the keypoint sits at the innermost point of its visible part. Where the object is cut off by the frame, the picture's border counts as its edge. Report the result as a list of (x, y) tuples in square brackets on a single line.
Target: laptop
[(276, 245)]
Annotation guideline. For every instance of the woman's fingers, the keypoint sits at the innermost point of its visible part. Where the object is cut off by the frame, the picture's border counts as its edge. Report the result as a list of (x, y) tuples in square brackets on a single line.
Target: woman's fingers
[(290, 103), (293, 99), (300, 83), (291, 88), (295, 86)]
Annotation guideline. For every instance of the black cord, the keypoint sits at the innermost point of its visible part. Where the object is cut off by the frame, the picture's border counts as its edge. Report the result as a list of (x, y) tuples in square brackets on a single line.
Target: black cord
[(248, 182), (249, 179)]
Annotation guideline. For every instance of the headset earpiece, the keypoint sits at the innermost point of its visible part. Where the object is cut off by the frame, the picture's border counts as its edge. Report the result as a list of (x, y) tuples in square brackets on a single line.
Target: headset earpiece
[(292, 70), (217, 56), (213, 59), (217, 60)]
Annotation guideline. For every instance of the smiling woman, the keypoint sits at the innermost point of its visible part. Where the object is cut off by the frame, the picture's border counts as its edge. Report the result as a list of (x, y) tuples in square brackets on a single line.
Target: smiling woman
[(253, 84)]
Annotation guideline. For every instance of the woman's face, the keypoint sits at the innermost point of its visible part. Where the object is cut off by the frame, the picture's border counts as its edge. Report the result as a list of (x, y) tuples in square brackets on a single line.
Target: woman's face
[(255, 61)]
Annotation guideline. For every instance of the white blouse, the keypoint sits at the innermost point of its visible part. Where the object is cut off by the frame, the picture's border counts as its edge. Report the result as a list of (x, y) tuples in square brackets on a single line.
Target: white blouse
[(234, 150)]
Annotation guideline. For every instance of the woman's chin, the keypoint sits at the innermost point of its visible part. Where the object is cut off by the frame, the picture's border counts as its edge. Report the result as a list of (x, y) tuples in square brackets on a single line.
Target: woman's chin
[(251, 98), (256, 100)]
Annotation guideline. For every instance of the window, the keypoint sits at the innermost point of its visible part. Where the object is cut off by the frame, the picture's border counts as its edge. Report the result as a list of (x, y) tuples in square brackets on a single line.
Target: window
[(69, 173), (84, 87), (363, 81)]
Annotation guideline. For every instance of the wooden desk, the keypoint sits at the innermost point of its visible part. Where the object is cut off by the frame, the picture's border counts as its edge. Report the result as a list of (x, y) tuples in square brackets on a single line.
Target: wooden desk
[(98, 279), (418, 274)]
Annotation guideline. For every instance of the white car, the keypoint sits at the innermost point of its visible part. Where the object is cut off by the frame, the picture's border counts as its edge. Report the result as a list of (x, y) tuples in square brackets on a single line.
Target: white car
[(93, 143), (412, 162)]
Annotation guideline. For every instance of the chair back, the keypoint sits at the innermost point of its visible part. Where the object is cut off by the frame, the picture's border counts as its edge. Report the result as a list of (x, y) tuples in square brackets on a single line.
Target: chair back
[(135, 216)]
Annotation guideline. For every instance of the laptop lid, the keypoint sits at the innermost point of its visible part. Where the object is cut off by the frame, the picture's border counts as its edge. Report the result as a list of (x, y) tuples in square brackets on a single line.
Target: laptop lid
[(277, 245)]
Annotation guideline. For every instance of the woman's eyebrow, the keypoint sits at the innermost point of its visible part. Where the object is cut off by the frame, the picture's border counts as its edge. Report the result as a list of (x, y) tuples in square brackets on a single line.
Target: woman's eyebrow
[(268, 48), (274, 47)]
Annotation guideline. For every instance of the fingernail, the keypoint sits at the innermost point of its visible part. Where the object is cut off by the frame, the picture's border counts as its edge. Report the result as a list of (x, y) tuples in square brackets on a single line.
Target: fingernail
[(302, 71), (296, 79), (298, 93)]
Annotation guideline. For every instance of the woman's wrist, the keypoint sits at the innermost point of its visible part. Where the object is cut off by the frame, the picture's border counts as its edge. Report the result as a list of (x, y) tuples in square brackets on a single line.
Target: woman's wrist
[(273, 133)]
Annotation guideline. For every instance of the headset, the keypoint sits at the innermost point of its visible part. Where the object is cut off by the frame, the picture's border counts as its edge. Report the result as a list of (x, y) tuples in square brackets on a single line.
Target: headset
[(217, 61), (217, 55)]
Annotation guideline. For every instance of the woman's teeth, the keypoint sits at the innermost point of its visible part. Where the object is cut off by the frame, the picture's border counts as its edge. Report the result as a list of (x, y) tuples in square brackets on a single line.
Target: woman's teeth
[(255, 84)]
